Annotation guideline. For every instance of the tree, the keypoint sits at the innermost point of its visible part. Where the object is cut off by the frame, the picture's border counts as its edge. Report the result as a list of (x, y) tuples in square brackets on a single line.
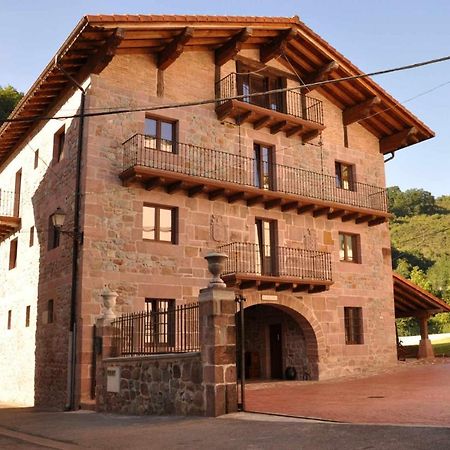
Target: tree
[(403, 268), (411, 202), (9, 97), (439, 277)]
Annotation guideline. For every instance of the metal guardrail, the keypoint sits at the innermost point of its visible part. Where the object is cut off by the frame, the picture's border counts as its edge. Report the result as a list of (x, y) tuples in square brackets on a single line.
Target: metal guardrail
[(187, 159), (175, 330), (250, 258), (7, 200)]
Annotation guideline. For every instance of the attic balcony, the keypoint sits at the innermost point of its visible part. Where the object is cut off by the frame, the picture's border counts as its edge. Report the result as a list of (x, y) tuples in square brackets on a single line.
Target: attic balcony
[(196, 170), (9, 220), (269, 267), (293, 113)]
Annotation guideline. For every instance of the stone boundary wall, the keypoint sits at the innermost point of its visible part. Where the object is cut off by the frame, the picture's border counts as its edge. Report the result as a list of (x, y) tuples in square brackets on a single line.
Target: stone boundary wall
[(169, 384)]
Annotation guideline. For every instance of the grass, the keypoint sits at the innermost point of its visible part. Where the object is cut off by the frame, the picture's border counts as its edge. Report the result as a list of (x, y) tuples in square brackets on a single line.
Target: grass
[(441, 347)]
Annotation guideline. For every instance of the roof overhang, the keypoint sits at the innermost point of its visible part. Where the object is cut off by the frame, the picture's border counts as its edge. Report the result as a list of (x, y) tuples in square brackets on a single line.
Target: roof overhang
[(96, 39), (412, 301)]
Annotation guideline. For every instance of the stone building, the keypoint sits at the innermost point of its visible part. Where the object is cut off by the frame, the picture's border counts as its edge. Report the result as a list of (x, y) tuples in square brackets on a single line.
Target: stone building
[(289, 184)]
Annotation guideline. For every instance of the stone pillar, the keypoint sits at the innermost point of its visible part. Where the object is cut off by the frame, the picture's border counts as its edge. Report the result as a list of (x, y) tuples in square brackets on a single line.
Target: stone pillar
[(218, 348), (425, 347)]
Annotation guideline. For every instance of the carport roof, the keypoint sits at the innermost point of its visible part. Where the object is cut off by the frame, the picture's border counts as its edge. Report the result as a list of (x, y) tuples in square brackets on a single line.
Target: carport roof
[(412, 301)]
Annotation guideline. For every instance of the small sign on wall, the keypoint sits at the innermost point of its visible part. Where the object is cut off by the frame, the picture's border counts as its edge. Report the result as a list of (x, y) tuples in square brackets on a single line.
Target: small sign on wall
[(113, 379), (269, 298)]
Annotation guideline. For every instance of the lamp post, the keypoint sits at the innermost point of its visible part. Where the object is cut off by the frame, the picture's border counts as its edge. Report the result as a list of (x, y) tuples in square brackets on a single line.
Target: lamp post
[(58, 219)]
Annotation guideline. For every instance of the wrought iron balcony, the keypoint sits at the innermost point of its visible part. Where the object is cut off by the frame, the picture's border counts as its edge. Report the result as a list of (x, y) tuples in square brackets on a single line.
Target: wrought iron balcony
[(292, 112), (196, 170), (277, 268), (9, 222)]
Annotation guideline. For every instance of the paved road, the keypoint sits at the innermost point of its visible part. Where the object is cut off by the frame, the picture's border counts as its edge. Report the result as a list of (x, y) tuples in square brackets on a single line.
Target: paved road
[(27, 429), (417, 394)]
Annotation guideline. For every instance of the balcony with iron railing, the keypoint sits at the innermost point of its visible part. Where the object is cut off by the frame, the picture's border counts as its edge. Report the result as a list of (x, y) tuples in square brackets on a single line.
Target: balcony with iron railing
[(196, 170), (291, 112), (9, 220), (267, 267)]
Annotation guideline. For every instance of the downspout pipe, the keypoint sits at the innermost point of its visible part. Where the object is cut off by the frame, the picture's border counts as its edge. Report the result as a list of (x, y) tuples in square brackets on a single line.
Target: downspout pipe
[(76, 242)]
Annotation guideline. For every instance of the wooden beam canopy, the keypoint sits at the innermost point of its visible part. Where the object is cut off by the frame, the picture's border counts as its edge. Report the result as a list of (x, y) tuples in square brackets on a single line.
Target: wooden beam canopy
[(173, 50), (231, 48), (321, 74), (357, 112), (397, 140), (277, 46)]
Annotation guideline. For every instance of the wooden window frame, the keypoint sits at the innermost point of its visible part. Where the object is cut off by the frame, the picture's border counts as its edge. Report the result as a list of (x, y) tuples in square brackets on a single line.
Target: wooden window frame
[(17, 192), (272, 260), (9, 322), (353, 325), (174, 223), (338, 165), (31, 243), (54, 235), (158, 137), (356, 247), (58, 147), (27, 316), (259, 166), (36, 159), (50, 311), (13, 245)]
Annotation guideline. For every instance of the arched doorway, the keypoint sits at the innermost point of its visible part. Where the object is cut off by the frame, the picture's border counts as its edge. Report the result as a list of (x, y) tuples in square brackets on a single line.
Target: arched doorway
[(277, 338)]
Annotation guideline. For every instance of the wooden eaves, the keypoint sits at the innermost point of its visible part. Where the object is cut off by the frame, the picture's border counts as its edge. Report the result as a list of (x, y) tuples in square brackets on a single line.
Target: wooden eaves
[(96, 39)]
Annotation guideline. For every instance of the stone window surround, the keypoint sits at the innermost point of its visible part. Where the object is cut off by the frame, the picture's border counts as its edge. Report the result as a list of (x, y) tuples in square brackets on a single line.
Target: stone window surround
[(174, 223)]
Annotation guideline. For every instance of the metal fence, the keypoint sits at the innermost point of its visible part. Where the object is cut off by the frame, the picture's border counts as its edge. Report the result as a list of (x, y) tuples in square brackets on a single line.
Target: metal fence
[(175, 330), (294, 103), (196, 161), (7, 200), (250, 258)]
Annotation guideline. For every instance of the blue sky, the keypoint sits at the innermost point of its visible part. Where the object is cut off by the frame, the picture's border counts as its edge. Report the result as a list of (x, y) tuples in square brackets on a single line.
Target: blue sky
[(373, 35)]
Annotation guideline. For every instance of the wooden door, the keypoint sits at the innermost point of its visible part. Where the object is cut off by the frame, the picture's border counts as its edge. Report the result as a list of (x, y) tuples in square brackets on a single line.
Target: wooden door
[(266, 235), (276, 353)]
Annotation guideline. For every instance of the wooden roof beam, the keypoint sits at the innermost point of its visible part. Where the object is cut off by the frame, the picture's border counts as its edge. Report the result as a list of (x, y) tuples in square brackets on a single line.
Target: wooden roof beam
[(231, 48), (359, 111), (397, 140), (321, 74), (175, 48), (276, 46), (100, 59)]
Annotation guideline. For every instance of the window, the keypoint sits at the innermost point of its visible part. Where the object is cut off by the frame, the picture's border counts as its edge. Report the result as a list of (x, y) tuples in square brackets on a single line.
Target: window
[(27, 316), (58, 145), (349, 248), (50, 311), (17, 189), (160, 329), (36, 158), (160, 134), (266, 246), (263, 166), (160, 223), (9, 319), (54, 235), (345, 176), (13, 254), (31, 236), (250, 83), (354, 333)]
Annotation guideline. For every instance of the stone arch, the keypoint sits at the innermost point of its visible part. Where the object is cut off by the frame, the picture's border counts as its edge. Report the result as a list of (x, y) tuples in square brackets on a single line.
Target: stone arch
[(306, 321)]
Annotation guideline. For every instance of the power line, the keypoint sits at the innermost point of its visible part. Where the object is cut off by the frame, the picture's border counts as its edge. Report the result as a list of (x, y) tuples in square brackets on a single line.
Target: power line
[(234, 97)]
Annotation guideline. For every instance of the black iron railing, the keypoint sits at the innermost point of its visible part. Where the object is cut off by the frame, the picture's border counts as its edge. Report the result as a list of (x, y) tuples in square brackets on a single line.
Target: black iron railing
[(7, 200), (249, 258), (140, 150), (175, 330), (293, 103)]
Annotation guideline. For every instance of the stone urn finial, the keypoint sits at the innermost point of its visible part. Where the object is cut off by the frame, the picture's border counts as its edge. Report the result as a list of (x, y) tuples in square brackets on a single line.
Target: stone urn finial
[(109, 301), (216, 262)]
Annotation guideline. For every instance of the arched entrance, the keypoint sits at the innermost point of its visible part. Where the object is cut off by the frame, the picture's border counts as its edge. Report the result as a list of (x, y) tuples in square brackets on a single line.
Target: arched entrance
[(277, 338)]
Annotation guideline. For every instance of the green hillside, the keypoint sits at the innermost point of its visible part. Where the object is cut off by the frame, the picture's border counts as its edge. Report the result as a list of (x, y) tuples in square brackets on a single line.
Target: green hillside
[(420, 235)]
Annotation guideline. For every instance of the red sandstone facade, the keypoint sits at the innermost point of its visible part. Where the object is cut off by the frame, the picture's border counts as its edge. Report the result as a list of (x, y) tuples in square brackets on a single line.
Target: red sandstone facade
[(305, 308)]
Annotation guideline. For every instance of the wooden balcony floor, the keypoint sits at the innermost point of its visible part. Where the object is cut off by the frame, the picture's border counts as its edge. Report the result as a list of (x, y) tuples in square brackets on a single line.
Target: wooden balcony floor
[(173, 182), (8, 226), (242, 112), (275, 283)]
